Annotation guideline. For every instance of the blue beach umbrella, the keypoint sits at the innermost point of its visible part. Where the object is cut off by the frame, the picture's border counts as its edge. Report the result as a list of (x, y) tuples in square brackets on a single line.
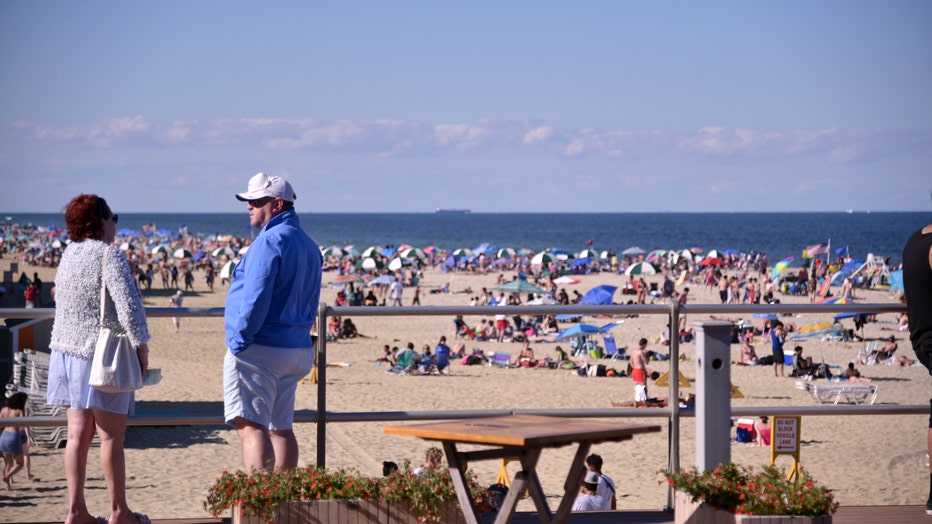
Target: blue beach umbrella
[(582, 330), (599, 295)]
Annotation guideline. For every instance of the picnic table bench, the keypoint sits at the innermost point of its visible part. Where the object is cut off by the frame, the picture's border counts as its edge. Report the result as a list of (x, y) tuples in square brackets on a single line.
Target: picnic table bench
[(521, 437)]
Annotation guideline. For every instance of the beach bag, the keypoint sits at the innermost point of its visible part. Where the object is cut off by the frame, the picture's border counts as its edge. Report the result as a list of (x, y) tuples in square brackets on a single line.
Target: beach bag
[(115, 368)]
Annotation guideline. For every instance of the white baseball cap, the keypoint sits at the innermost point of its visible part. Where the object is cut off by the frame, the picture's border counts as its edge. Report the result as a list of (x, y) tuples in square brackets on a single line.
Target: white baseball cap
[(261, 185)]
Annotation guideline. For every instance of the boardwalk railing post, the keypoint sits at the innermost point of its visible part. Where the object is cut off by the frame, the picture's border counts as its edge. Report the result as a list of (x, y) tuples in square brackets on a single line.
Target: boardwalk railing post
[(713, 394), (322, 385)]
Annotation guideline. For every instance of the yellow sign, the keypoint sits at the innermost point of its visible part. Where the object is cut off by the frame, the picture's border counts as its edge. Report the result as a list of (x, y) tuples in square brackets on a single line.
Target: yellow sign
[(664, 380), (784, 440)]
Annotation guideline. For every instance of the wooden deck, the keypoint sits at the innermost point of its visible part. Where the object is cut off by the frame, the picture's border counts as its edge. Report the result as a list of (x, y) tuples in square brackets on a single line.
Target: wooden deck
[(845, 515)]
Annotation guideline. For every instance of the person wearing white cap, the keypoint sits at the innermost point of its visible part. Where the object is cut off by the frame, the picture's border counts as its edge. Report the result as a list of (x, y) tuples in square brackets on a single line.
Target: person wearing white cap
[(270, 309), (588, 500)]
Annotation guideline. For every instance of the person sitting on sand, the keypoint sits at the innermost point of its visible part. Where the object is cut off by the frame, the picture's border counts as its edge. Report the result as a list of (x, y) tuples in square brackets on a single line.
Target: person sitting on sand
[(748, 355), (888, 349), (762, 428), (349, 329), (525, 358), (802, 365), (853, 375)]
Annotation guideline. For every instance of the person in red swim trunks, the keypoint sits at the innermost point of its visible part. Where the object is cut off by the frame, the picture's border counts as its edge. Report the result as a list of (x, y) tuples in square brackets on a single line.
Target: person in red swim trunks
[(639, 373)]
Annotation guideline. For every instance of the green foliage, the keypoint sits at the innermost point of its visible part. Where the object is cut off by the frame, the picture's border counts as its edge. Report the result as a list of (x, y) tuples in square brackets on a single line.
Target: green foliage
[(262, 492), (739, 489)]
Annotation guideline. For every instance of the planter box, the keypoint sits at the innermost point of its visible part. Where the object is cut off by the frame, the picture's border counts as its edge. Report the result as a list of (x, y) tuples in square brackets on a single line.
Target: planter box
[(690, 512), (350, 512)]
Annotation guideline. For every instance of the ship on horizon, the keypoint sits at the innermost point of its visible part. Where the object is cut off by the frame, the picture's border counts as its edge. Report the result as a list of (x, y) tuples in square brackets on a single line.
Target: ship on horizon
[(452, 211)]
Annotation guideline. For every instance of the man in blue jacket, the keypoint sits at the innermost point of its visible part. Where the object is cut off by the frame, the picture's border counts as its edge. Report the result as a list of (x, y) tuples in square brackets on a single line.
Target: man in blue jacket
[(270, 310)]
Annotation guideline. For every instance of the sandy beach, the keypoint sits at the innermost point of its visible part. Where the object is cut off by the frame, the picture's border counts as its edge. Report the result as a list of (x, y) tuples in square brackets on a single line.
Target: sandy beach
[(865, 460)]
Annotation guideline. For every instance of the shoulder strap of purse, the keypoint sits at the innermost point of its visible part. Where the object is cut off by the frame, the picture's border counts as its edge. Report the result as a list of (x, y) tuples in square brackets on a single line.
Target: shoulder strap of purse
[(103, 285)]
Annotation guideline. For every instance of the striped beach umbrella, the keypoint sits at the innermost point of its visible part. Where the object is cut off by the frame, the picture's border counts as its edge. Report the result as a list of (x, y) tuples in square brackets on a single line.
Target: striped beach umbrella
[(182, 253), (641, 268)]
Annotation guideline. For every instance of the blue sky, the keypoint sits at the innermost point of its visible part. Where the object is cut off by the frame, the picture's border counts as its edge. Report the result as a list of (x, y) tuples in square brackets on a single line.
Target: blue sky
[(607, 106)]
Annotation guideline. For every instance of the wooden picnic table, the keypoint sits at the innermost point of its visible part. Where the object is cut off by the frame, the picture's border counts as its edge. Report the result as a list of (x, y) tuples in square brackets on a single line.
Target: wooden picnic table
[(521, 437)]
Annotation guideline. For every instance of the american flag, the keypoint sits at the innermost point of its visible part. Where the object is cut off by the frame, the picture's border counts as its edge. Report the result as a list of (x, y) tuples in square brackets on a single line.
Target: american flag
[(816, 250)]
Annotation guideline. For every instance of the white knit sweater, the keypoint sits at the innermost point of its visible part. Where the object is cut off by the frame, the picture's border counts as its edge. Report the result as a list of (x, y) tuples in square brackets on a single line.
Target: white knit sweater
[(77, 299)]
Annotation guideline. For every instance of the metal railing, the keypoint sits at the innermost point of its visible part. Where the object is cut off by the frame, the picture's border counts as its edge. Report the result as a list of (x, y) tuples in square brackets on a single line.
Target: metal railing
[(673, 413)]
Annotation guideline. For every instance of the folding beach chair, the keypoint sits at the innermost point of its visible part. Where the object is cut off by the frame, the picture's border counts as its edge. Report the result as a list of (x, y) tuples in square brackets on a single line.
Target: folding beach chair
[(612, 351), (500, 359)]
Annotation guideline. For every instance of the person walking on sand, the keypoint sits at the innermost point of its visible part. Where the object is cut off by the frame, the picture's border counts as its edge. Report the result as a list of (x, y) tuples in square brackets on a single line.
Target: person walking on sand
[(175, 301), (11, 442), (917, 284), (270, 309)]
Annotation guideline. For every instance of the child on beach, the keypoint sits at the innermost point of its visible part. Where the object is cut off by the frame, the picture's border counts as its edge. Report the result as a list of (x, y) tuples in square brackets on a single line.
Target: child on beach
[(12, 436)]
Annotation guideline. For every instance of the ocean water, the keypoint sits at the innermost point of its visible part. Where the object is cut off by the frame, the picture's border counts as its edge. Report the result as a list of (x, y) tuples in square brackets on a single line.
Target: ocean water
[(779, 235)]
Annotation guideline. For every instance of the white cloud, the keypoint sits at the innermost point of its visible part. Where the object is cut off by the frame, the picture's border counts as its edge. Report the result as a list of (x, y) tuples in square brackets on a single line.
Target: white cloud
[(539, 134), (462, 136)]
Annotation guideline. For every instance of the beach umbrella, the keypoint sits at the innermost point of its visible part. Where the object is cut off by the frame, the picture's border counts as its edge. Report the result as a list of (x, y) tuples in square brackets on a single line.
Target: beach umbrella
[(226, 270), (412, 252), (769, 316), (382, 280), (835, 300), (462, 252), (581, 262), (712, 262), (587, 253), (163, 232), (388, 252), (243, 250), (599, 295), (199, 255), (641, 268), (655, 255), (371, 251), (541, 258), (526, 251), (127, 246), (224, 251), (127, 232), (713, 254), (369, 263), (182, 253), (350, 251), (161, 249), (355, 278), (566, 279), (55, 243), (333, 251), (519, 286), (605, 255), (506, 252), (431, 249), (397, 263), (541, 301), (633, 251), (578, 330), (780, 267), (481, 248)]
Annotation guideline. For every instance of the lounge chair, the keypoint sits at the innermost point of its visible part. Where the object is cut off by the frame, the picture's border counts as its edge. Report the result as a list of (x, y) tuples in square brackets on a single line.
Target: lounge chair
[(612, 351), (835, 392), (500, 359)]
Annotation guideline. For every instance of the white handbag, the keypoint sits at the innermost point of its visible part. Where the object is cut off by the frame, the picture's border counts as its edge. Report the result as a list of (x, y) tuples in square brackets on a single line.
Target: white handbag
[(115, 368)]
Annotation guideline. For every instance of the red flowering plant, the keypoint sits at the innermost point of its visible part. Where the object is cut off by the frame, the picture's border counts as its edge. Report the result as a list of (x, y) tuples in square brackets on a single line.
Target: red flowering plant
[(739, 489), (262, 492)]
